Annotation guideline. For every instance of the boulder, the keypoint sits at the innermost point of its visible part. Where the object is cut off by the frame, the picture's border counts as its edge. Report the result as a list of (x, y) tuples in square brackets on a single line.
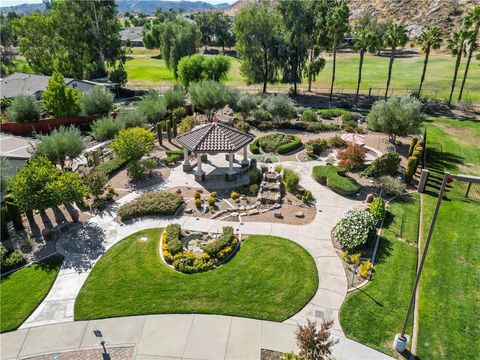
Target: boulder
[(300, 214), (253, 212), (278, 215), (188, 211)]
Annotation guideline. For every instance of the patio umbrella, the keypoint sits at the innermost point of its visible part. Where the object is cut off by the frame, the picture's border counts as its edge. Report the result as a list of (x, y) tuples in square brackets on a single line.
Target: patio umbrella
[(354, 138)]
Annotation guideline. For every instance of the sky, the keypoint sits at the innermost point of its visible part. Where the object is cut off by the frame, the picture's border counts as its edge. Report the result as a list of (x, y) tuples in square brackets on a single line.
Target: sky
[(18, 2)]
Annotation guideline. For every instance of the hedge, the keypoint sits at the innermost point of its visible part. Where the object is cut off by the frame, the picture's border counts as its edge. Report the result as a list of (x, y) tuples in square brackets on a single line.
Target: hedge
[(291, 146), (334, 178), (110, 166), (154, 203), (254, 149)]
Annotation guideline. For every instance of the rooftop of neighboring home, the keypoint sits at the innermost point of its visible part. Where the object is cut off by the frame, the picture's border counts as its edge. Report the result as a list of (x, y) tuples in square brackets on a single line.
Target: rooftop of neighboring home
[(132, 34), (18, 84)]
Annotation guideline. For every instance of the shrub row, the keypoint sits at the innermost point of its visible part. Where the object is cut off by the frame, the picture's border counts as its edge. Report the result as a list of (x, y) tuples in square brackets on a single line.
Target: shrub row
[(335, 178), (278, 142), (291, 146), (109, 166), (154, 203)]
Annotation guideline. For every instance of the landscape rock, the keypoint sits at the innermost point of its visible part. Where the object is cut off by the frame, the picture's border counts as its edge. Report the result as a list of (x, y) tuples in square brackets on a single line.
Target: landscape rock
[(188, 211), (278, 215), (299, 214), (253, 212)]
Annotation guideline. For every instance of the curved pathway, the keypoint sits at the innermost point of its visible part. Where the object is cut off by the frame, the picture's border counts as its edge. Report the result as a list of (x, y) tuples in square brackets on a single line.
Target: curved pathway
[(101, 232)]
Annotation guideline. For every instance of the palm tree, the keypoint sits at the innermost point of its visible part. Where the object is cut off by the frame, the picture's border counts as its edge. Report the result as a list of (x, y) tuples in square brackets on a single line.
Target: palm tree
[(456, 44), (364, 40), (472, 21), (430, 38), (337, 24), (395, 36)]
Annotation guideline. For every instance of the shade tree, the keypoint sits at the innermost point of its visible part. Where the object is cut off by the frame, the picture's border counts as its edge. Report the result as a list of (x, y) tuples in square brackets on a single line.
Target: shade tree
[(197, 67)]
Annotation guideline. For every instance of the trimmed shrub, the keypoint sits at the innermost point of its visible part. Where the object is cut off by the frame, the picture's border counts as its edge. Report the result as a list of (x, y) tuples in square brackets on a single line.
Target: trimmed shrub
[(105, 129), (353, 157), (110, 166), (99, 101), (365, 268), (215, 247), (291, 146), (24, 109), (334, 178), (337, 142), (141, 169), (133, 143), (377, 209), (387, 164), (253, 189), (411, 168), (354, 228), (254, 149), (255, 176), (173, 232), (412, 146), (174, 246), (309, 115), (316, 146), (154, 203), (129, 119), (234, 195), (391, 186), (10, 261)]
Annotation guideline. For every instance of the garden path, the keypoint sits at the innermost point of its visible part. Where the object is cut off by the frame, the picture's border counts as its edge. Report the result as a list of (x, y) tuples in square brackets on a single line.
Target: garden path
[(84, 245)]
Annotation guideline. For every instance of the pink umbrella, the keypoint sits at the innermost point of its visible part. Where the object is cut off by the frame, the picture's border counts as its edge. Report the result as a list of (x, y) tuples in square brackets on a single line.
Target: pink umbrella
[(354, 138)]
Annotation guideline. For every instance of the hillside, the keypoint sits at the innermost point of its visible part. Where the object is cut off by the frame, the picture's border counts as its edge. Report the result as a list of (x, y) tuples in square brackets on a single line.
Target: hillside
[(415, 14), (145, 6)]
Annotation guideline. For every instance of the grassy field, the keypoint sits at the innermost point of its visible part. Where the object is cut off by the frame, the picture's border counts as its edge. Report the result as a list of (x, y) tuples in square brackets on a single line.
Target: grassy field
[(269, 278), (374, 314), (146, 70), (23, 290), (449, 289)]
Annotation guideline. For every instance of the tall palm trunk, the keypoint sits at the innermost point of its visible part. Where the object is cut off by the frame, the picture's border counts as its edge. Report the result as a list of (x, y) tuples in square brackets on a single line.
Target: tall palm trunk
[(334, 66), (457, 65), (360, 65), (469, 58), (425, 63), (467, 65), (390, 66)]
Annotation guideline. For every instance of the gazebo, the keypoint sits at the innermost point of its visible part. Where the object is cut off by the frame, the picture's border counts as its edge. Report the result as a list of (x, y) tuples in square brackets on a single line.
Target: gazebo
[(214, 138)]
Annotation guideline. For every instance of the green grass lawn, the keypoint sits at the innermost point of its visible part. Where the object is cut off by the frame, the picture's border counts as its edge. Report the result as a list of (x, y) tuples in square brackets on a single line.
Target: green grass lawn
[(22, 291), (449, 325), (269, 278), (144, 69), (374, 313)]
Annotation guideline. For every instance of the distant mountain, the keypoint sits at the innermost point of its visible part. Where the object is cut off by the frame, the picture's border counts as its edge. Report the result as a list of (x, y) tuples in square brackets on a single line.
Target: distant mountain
[(145, 6)]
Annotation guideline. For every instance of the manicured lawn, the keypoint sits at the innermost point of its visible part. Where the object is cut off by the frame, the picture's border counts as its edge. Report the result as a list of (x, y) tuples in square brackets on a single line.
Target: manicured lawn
[(374, 314), (269, 278), (449, 288), (22, 291), (144, 69)]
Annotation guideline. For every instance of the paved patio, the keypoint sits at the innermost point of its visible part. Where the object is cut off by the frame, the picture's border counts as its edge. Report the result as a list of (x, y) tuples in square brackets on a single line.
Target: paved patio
[(101, 232)]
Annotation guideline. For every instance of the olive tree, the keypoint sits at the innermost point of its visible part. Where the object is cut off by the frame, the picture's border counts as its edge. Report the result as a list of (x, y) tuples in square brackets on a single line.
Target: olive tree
[(209, 96), (396, 116)]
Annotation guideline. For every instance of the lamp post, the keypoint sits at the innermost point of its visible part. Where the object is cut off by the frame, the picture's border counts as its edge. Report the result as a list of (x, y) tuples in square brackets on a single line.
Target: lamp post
[(401, 339)]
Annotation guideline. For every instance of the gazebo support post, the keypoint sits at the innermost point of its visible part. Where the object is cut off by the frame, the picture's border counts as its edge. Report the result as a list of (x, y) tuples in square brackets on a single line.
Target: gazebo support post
[(186, 163), (199, 174), (230, 162), (245, 158)]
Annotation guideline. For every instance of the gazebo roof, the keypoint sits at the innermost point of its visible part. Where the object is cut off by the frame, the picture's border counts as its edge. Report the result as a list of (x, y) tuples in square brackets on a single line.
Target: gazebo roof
[(214, 137)]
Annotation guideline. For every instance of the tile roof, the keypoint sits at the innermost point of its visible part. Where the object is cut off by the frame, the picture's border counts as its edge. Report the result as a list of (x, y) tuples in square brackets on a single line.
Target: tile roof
[(214, 137)]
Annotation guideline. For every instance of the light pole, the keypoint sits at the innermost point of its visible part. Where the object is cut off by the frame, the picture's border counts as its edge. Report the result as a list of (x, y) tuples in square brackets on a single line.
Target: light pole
[(401, 339)]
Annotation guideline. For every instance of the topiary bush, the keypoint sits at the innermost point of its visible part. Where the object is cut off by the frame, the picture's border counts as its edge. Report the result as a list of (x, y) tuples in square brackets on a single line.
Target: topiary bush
[(387, 164), (262, 115), (154, 203), (354, 228), (377, 209), (334, 178)]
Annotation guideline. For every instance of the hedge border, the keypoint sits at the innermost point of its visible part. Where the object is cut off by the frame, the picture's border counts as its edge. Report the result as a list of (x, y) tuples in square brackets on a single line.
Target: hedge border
[(330, 178), (295, 144)]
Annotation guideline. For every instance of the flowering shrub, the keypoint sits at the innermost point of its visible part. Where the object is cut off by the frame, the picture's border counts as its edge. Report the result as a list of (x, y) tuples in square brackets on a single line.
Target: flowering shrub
[(354, 228), (353, 157)]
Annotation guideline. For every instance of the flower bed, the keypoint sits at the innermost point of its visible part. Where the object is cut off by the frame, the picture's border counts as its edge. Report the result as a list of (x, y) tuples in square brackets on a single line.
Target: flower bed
[(334, 177), (208, 254), (276, 143), (154, 203)]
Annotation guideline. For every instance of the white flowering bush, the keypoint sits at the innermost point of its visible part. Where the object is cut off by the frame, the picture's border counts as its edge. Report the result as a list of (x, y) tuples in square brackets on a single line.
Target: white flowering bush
[(353, 229)]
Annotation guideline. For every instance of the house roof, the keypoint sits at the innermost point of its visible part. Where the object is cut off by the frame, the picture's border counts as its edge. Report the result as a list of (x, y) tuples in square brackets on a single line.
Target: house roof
[(18, 84), (214, 137), (132, 34)]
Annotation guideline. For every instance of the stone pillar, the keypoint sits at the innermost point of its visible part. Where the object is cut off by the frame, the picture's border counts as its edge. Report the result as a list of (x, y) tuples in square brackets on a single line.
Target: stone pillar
[(245, 158), (186, 163), (199, 174)]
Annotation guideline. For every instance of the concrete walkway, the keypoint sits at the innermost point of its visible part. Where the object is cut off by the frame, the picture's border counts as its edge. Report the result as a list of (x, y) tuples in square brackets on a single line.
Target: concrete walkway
[(163, 337), (83, 246)]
